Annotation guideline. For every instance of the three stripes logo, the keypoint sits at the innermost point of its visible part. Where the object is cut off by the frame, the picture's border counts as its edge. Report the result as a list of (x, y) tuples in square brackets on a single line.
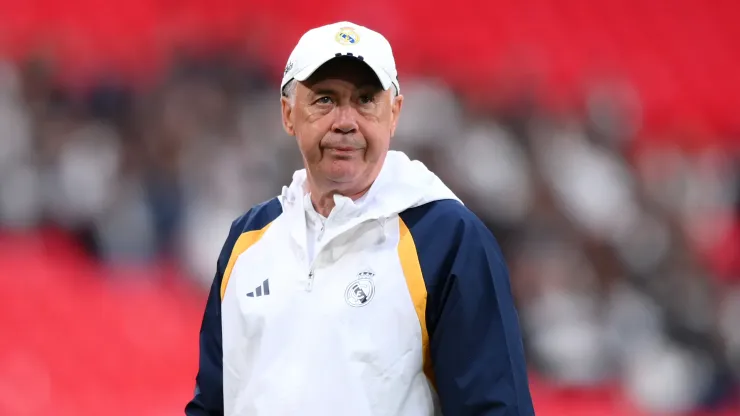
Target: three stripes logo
[(262, 290)]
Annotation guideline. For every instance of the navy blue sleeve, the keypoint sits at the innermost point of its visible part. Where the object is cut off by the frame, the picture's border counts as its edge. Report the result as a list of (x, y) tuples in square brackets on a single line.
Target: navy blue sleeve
[(208, 399), (475, 340)]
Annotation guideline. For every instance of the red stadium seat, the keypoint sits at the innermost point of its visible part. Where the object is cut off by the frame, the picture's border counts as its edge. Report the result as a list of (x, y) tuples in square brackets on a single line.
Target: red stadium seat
[(81, 342), (681, 54)]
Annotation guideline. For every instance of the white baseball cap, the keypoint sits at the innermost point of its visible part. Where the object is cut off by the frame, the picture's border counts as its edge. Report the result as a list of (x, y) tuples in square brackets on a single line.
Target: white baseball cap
[(322, 44)]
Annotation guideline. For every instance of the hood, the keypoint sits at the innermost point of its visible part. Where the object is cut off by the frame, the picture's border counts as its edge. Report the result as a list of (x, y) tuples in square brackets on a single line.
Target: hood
[(401, 184)]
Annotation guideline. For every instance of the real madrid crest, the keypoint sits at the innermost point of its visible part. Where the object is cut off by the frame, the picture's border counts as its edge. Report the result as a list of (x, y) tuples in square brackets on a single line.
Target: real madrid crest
[(347, 36), (361, 291)]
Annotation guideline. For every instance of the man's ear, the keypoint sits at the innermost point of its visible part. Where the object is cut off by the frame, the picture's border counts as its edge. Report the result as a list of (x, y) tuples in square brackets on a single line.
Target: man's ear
[(396, 113), (287, 111)]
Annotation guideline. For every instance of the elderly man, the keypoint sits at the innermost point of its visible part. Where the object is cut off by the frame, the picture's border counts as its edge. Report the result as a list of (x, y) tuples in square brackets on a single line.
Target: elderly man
[(366, 287)]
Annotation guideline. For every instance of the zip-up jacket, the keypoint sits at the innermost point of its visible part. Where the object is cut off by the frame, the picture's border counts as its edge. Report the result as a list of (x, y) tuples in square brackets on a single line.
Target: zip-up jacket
[(406, 309)]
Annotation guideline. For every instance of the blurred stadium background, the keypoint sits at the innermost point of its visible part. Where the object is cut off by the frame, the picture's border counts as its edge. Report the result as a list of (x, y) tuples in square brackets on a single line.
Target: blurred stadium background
[(599, 140)]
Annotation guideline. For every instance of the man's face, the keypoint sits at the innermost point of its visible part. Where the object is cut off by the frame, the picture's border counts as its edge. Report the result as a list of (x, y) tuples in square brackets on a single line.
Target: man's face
[(343, 121)]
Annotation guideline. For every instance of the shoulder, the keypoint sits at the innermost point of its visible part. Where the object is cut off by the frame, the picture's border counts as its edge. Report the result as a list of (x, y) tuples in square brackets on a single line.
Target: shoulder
[(255, 219), (447, 235), (258, 216), (446, 218)]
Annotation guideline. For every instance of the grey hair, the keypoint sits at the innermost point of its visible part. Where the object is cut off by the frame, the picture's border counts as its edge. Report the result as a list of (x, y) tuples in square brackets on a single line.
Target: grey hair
[(289, 91)]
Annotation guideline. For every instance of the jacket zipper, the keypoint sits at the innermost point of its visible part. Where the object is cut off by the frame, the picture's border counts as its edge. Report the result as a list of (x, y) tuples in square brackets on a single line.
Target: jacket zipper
[(309, 284), (312, 266)]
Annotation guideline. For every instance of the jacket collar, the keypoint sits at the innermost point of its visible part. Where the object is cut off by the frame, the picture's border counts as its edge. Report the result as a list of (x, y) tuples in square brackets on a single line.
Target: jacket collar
[(400, 185)]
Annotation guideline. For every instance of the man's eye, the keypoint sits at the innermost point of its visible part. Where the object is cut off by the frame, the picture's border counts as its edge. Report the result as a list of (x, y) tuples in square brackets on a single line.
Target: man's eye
[(324, 100), (367, 99)]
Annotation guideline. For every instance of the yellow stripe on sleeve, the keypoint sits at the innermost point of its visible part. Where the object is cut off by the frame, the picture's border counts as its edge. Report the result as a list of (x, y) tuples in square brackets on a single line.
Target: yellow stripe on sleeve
[(243, 243), (417, 289)]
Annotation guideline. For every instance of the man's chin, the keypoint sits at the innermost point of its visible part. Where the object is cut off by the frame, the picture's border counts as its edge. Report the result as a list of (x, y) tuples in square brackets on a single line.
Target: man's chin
[(342, 170), (345, 176)]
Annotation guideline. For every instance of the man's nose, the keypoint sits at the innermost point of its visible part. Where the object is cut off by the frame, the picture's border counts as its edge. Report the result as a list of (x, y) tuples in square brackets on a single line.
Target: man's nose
[(345, 121)]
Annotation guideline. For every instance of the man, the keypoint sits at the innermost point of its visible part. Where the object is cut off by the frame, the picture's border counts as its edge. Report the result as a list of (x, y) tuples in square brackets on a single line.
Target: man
[(366, 287)]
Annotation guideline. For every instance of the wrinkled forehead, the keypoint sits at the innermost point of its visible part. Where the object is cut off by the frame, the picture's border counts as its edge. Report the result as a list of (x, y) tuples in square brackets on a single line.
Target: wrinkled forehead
[(345, 69)]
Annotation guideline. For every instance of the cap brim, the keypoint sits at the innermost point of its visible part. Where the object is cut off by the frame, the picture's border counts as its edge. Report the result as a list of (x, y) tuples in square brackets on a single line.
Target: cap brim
[(385, 80)]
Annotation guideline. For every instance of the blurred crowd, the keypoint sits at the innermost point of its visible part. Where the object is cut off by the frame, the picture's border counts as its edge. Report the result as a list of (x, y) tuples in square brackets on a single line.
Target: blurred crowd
[(621, 256)]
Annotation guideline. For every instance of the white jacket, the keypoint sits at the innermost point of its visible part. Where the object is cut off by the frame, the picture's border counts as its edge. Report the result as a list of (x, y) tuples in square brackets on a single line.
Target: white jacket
[(347, 334)]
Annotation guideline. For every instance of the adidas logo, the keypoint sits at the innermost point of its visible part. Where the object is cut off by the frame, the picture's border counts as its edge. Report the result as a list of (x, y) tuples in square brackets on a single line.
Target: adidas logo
[(262, 290)]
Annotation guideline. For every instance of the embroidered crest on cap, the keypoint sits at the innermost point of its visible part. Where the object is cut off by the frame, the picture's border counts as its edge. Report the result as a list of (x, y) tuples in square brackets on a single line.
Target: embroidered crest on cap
[(347, 36)]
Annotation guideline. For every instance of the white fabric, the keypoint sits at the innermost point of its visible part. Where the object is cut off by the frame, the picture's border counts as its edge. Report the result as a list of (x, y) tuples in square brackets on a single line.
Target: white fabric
[(314, 227), (304, 349), (321, 44)]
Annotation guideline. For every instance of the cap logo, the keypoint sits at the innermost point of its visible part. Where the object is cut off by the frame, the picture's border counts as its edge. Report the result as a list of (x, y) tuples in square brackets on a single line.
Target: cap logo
[(347, 36)]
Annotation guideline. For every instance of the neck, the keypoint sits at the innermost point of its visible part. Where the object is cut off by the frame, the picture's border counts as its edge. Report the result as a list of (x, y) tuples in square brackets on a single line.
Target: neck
[(323, 201)]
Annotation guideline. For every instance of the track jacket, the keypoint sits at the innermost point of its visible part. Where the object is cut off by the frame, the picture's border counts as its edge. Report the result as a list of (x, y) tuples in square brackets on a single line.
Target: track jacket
[(406, 310)]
